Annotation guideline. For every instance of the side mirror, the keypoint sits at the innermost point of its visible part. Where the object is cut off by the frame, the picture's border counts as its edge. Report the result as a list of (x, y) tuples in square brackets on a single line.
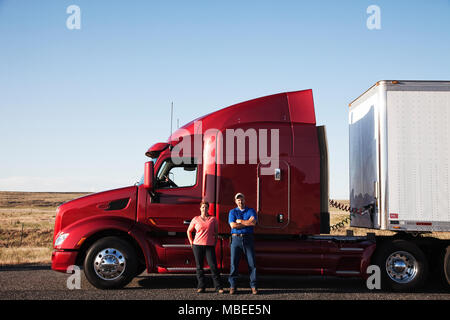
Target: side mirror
[(148, 175)]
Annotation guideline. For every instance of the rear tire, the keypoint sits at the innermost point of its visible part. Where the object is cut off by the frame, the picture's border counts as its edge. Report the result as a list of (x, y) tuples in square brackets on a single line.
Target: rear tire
[(445, 267), (403, 265), (110, 263)]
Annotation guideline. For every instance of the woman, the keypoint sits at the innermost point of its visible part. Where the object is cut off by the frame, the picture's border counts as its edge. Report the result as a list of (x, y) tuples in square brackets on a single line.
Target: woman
[(204, 244)]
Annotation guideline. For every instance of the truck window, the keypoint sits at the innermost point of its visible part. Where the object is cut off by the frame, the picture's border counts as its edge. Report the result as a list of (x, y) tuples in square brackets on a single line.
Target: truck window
[(172, 175)]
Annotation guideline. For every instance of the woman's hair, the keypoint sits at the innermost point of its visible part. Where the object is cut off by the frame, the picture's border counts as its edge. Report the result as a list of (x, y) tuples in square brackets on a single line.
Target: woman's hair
[(206, 203)]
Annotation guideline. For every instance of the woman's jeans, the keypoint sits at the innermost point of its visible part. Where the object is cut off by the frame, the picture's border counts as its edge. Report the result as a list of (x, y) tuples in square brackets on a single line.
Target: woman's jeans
[(210, 252), (239, 246)]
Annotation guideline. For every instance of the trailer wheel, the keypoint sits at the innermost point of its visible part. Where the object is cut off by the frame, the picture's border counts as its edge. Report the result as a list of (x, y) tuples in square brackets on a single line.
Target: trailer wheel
[(446, 267), (110, 263), (403, 265)]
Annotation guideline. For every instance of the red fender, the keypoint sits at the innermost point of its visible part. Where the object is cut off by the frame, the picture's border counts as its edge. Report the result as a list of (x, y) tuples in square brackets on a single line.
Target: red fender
[(85, 228), (366, 259)]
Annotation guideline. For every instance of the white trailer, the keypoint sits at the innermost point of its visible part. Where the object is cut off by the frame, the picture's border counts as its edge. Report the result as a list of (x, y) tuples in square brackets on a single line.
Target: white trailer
[(400, 177), (400, 156)]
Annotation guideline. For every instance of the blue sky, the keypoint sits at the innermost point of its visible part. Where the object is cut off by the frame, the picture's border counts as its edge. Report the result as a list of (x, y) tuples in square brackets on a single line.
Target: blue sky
[(79, 108)]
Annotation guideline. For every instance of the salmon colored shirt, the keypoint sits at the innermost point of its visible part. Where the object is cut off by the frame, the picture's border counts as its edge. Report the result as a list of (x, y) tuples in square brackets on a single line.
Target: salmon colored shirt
[(204, 231)]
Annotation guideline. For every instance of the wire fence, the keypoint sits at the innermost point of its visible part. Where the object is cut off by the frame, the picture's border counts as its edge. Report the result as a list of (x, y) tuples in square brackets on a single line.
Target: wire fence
[(25, 237)]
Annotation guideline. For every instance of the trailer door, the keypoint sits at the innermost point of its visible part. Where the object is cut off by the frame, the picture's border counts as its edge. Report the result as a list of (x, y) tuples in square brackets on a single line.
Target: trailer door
[(363, 161)]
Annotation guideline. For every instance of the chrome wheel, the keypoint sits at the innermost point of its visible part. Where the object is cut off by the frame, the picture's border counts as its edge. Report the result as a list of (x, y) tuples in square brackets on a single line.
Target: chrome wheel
[(401, 267), (109, 264)]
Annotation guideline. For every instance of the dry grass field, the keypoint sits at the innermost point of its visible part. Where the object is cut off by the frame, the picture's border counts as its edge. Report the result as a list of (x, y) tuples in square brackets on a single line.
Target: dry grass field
[(27, 220), (26, 225)]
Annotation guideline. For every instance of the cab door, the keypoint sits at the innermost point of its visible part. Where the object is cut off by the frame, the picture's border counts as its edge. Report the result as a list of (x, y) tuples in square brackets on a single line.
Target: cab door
[(177, 195), (273, 197), (176, 200)]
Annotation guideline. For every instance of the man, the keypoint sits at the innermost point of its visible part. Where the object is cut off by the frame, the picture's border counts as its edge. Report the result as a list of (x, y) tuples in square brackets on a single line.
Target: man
[(242, 221)]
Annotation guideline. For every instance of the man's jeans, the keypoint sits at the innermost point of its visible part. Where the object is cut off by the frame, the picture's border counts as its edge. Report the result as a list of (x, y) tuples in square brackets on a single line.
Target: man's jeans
[(239, 246)]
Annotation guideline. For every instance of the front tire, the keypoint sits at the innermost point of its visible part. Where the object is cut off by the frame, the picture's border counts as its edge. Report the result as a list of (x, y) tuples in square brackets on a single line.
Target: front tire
[(110, 263), (403, 265)]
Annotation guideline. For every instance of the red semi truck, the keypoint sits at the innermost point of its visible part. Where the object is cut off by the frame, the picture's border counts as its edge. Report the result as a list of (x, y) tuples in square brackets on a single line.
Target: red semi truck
[(269, 149)]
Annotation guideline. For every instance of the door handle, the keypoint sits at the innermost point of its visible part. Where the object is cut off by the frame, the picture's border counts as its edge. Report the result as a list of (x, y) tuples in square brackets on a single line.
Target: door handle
[(280, 218), (187, 222)]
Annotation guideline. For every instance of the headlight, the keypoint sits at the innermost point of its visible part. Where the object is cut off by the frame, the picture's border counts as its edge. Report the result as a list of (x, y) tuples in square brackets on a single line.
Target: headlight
[(60, 239)]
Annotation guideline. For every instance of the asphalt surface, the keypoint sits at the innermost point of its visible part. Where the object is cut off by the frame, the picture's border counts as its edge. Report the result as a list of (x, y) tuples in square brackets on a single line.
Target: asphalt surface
[(41, 283)]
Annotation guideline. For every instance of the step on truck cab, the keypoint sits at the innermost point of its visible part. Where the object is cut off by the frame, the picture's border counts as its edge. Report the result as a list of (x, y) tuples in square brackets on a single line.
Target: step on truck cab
[(269, 149)]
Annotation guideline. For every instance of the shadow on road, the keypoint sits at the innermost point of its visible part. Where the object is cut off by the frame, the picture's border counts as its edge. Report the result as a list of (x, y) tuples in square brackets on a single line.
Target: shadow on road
[(25, 267), (275, 284), (267, 284)]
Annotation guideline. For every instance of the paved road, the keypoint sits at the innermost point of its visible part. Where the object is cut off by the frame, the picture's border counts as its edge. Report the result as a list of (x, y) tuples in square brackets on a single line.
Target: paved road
[(41, 283)]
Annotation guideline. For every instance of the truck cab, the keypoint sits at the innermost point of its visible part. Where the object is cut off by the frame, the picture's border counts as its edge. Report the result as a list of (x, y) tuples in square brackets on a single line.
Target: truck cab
[(268, 148)]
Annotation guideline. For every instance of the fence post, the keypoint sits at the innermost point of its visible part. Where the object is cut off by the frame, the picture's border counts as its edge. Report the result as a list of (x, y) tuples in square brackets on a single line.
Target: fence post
[(21, 236)]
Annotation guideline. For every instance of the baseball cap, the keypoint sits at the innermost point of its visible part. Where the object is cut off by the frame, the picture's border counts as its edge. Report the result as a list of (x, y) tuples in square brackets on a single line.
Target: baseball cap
[(239, 195)]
